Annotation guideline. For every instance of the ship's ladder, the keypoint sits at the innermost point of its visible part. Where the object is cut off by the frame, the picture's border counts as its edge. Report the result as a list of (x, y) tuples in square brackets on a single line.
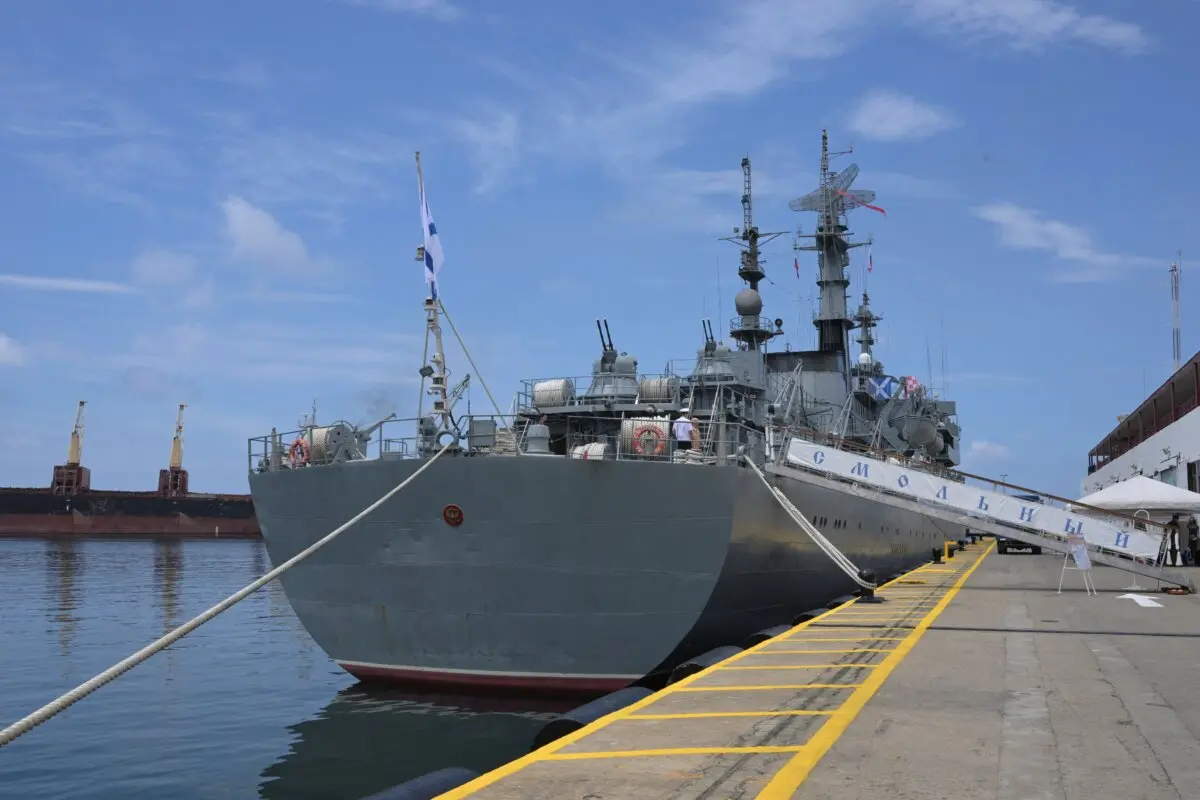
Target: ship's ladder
[(867, 477)]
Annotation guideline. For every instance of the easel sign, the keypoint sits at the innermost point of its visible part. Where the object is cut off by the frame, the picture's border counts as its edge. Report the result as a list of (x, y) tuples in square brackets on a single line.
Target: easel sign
[(1077, 552)]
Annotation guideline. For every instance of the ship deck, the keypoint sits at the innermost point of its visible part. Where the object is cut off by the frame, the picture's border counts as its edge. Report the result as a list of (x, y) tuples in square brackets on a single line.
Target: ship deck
[(976, 680)]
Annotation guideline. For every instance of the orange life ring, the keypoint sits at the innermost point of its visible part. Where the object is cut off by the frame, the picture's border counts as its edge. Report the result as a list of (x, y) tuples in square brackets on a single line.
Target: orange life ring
[(639, 442), (298, 453)]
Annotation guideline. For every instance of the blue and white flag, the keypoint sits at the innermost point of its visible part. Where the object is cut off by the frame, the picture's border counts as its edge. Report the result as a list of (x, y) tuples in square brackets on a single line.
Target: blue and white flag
[(433, 246)]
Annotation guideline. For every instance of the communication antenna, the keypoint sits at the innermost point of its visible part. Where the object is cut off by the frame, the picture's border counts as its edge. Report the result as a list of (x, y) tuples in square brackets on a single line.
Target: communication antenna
[(1176, 342)]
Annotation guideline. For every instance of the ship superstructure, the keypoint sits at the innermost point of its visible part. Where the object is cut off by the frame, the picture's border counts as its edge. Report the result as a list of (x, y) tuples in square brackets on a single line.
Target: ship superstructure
[(572, 545)]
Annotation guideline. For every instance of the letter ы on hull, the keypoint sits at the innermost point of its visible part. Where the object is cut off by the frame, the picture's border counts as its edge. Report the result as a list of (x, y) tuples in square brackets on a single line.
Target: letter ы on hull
[(590, 551)]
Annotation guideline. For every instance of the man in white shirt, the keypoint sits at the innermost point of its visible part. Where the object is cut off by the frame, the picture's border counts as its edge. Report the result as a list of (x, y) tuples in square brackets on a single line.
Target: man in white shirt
[(683, 430)]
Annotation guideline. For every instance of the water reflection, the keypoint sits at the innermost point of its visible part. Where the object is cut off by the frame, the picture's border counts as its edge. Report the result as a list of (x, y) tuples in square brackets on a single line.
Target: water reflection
[(365, 741), (64, 567)]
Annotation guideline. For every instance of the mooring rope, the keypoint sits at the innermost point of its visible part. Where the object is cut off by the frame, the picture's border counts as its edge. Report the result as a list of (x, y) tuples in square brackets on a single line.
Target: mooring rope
[(81, 691), (827, 547)]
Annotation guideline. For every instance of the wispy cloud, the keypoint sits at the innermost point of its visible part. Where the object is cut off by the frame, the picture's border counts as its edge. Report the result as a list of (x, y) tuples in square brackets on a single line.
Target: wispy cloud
[(981, 450), (492, 143), (1027, 229), (163, 268), (639, 105), (37, 283), (12, 354), (1028, 24), (888, 115), (436, 9), (269, 352)]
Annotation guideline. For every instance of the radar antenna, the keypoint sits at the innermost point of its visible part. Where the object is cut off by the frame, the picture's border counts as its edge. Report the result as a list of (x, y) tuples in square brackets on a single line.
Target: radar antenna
[(749, 330), (1176, 341)]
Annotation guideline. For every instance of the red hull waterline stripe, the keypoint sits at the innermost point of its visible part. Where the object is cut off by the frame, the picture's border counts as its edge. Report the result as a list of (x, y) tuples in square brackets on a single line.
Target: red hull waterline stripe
[(548, 682)]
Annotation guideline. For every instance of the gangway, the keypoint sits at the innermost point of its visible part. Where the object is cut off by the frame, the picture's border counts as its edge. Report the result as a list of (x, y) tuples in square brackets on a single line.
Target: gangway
[(1111, 540)]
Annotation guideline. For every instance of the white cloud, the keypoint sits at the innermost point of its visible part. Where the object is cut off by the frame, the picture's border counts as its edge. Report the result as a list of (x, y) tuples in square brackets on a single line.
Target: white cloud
[(639, 106), (888, 115), (272, 352), (163, 268), (981, 450), (40, 284), (436, 9), (492, 143), (257, 237), (1028, 23), (1026, 229), (12, 354)]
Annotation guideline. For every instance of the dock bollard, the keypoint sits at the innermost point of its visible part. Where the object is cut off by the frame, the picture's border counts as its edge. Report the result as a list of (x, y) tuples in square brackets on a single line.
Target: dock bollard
[(962, 544), (950, 548), (866, 595), (937, 555)]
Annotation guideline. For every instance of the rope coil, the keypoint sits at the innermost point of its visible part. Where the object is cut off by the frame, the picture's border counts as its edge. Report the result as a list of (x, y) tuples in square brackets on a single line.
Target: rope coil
[(55, 707)]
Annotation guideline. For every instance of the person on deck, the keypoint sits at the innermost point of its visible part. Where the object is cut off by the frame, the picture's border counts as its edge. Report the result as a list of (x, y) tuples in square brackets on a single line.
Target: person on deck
[(684, 430), (1171, 531), (1193, 528)]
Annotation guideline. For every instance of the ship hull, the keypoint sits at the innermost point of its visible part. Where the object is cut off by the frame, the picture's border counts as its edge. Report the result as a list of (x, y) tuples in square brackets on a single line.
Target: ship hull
[(564, 575), (39, 512)]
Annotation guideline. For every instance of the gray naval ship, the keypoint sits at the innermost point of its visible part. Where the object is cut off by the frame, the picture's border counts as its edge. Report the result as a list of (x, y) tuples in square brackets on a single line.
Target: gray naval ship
[(572, 546)]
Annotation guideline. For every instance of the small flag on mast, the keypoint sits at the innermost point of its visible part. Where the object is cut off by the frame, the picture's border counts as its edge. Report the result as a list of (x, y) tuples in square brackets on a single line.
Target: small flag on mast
[(433, 243), (870, 260), (796, 262)]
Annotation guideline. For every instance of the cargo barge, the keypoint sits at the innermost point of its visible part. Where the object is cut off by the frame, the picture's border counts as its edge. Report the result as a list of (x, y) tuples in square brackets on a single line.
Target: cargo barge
[(70, 506)]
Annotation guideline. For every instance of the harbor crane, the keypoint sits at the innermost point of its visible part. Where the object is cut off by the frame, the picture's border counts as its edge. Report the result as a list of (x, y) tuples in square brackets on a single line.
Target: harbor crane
[(173, 481), (71, 477)]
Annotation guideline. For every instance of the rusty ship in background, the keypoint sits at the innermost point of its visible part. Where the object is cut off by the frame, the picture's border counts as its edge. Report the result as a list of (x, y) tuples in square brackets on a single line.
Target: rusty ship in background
[(70, 506)]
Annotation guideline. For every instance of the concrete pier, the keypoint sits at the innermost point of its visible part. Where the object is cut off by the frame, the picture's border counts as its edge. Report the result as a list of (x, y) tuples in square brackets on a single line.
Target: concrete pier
[(976, 679)]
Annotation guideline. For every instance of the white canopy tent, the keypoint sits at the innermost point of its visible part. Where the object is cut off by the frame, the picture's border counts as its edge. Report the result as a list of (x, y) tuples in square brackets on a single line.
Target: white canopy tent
[(1140, 493)]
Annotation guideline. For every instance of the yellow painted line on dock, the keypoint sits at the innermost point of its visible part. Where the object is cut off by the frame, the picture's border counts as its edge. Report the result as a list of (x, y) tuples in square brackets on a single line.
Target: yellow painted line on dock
[(765, 688), (707, 714), (787, 780), (829, 652), (802, 666), (805, 753), (837, 639), (591, 755)]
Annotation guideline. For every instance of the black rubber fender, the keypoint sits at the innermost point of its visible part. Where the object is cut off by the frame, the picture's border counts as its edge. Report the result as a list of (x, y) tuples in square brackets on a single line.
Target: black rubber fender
[(588, 713), (839, 601), (702, 661), (765, 634), (428, 786), (811, 614)]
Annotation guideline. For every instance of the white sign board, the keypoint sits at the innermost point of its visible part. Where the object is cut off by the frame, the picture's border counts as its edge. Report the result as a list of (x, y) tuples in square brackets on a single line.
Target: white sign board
[(970, 500), (1077, 547)]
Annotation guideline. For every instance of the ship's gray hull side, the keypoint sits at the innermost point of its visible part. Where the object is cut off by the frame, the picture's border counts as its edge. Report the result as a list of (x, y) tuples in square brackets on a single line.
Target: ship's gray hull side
[(564, 574)]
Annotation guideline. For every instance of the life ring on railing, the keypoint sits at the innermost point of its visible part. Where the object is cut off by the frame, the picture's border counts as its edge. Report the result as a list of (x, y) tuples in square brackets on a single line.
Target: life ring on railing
[(298, 453), (640, 440)]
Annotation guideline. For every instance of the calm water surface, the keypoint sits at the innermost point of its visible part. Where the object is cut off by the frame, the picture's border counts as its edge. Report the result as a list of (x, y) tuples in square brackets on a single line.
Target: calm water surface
[(246, 706)]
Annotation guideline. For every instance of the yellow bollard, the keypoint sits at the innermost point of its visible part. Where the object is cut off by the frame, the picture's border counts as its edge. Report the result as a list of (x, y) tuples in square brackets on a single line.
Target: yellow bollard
[(949, 547)]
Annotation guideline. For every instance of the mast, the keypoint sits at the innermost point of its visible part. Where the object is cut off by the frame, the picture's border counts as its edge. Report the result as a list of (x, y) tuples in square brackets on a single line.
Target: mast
[(1176, 339), (749, 330), (832, 198), (437, 372)]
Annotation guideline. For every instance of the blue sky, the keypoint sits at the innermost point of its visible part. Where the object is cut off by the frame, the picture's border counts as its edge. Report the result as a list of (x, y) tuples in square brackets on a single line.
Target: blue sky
[(215, 203)]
